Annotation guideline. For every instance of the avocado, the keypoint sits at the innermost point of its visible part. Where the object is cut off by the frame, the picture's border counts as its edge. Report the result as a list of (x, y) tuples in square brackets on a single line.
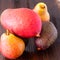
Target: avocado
[(48, 36)]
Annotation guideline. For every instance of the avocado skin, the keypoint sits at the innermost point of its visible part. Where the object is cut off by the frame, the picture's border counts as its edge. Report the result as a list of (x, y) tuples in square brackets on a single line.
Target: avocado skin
[(48, 35)]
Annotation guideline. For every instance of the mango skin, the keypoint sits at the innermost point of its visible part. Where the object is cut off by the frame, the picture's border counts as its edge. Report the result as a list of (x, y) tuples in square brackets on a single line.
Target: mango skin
[(23, 22), (11, 46)]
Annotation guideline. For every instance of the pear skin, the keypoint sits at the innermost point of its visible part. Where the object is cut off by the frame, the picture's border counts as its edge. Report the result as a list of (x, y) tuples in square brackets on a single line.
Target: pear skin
[(42, 10), (11, 46)]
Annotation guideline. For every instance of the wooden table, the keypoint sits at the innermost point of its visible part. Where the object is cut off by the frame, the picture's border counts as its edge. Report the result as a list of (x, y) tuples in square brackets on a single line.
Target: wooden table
[(53, 52)]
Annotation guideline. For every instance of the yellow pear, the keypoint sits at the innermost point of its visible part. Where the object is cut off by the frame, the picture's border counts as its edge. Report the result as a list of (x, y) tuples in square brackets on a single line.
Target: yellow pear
[(41, 9)]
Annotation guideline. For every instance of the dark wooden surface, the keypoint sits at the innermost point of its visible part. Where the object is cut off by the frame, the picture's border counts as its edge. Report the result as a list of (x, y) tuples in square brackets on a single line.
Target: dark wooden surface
[(53, 52)]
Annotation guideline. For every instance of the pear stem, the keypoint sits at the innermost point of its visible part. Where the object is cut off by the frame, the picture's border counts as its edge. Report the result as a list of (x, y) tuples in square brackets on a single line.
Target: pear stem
[(7, 32), (42, 7)]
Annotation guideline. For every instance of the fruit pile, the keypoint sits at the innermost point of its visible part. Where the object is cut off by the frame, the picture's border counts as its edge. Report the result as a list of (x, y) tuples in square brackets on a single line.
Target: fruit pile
[(26, 30)]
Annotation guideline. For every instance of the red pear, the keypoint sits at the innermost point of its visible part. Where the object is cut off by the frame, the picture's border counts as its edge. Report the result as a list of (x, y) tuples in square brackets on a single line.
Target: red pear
[(11, 46)]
